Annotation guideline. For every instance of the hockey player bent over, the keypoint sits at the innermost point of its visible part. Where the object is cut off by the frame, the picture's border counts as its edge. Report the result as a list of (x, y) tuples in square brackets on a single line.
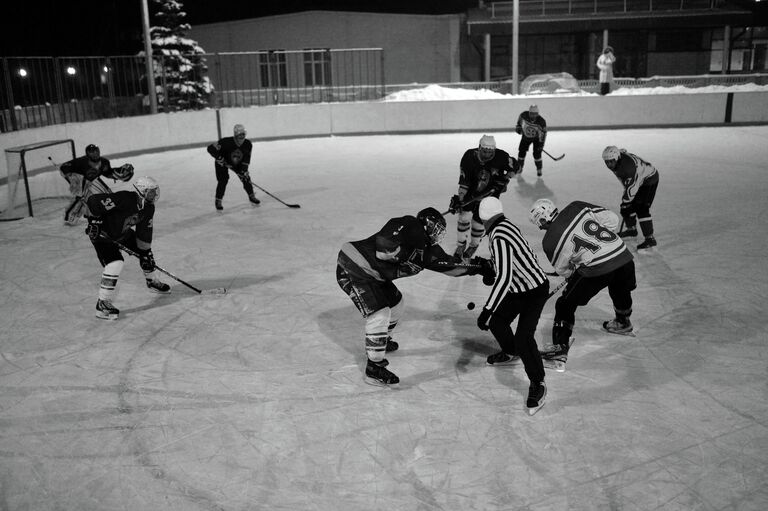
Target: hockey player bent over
[(640, 180), (125, 217), (233, 153), (582, 246), (367, 268), (84, 177), (484, 172)]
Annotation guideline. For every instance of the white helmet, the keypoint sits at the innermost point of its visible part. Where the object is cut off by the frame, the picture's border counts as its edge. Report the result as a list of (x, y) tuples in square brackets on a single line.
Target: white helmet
[(489, 208), (487, 148), (148, 190), (542, 213), (611, 153)]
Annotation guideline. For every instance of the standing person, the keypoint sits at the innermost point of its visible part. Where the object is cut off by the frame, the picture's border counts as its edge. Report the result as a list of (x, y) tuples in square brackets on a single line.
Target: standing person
[(605, 65), (521, 288), (533, 129), (84, 177), (582, 246), (233, 153), (640, 180), (483, 172), (126, 217), (367, 268)]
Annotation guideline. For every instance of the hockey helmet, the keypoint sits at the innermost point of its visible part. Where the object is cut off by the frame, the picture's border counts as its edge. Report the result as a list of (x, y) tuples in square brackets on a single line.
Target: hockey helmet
[(487, 148), (611, 155), (93, 152), (489, 208), (148, 190), (533, 110), (434, 224), (239, 132), (543, 212)]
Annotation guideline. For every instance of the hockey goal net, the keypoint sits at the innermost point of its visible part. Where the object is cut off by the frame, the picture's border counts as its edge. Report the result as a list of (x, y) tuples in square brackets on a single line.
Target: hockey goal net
[(33, 184)]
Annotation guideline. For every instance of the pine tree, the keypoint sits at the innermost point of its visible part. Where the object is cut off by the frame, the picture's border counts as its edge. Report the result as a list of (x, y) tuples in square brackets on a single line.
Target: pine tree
[(181, 79)]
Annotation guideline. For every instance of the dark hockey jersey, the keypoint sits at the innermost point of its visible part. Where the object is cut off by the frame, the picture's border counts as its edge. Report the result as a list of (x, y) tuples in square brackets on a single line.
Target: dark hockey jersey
[(633, 172), (120, 212), (477, 177), (532, 128), (400, 249), (581, 239), (238, 157), (88, 169)]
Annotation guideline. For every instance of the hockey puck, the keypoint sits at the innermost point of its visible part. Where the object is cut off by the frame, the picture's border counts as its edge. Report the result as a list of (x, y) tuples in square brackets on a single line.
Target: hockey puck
[(471, 305)]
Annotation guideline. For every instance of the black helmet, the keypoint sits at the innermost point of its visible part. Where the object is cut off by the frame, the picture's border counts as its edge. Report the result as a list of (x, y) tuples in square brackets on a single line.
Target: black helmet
[(434, 224), (93, 152)]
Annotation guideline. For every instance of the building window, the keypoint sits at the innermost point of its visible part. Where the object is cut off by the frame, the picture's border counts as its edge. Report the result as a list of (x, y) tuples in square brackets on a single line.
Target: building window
[(317, 67), (273, 69)]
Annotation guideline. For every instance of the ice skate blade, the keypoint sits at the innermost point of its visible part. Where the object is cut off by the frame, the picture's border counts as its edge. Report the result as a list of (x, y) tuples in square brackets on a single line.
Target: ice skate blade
[(378, 383), (532, 411), (626, 334), (107, 317), (557, 365)]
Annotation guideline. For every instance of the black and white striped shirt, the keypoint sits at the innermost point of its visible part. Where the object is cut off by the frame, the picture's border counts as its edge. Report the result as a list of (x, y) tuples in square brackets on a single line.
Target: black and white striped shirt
[(517, 268)]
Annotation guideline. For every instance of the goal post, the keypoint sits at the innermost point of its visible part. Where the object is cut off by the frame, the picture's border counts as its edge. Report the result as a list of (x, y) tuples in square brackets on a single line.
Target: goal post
[(33, 176)]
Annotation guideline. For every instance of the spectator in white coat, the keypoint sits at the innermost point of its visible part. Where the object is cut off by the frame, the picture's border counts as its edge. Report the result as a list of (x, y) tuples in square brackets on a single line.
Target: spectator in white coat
[(605, 64)]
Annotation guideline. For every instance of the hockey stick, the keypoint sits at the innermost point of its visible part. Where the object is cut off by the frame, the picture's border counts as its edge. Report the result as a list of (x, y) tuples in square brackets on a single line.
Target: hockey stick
[(556, 159), (470, 201), (215, 291), (276, 198)]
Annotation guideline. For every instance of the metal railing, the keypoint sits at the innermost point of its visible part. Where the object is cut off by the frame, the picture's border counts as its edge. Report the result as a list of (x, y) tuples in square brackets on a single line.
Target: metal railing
[(555, 7), (41, 91)]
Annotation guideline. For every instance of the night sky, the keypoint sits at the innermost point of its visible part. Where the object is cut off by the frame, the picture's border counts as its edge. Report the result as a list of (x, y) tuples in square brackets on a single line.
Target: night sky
[(113, 27)]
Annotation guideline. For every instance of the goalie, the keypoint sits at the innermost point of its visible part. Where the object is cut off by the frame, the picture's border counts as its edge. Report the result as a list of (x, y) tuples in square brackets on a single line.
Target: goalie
[(84, 177)]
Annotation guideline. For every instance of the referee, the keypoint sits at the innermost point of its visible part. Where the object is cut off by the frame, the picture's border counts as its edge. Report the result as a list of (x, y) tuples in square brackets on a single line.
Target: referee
[(520, 289)]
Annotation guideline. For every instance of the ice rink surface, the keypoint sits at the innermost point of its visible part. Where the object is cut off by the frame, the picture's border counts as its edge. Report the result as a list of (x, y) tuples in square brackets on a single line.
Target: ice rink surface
[(255, 400)]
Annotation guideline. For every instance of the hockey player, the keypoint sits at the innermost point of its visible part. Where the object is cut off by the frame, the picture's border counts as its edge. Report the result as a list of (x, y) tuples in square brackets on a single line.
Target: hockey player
[(520, 291), (533, 129), (582, 246), (484, 172), (84, 177), (126, 217), (233, 153), (640, 180), (367, 268)]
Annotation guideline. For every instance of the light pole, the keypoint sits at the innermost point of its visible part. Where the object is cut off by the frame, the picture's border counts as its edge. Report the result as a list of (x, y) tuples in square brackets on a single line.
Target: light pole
[(148, 55)]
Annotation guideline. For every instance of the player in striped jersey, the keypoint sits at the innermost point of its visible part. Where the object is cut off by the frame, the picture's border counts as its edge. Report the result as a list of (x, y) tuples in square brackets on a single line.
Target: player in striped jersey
[(520, 290), (582, 246), (640, 180)]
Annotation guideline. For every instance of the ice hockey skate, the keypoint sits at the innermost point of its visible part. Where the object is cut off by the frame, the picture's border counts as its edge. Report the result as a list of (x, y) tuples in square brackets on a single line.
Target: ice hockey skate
[(377, 374), (556, 355), (503, 359), (537, 394), (619, 327), (391, 345), (469, 252), (156, 286), (649, 242), (254, 200), (629, 232), (458, 254), (105, 310), (218, 204)]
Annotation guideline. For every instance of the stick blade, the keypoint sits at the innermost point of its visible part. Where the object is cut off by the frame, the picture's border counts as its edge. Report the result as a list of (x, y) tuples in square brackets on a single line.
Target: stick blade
[(294, 206), (560, 157), (215, 291)]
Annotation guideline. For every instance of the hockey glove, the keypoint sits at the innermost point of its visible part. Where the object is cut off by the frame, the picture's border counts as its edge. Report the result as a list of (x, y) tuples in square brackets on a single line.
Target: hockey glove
[(123, 173), (93, 229), (483, 319), (519, 130), (221, 162), (455, 205), (147, 261), (486, 270)]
